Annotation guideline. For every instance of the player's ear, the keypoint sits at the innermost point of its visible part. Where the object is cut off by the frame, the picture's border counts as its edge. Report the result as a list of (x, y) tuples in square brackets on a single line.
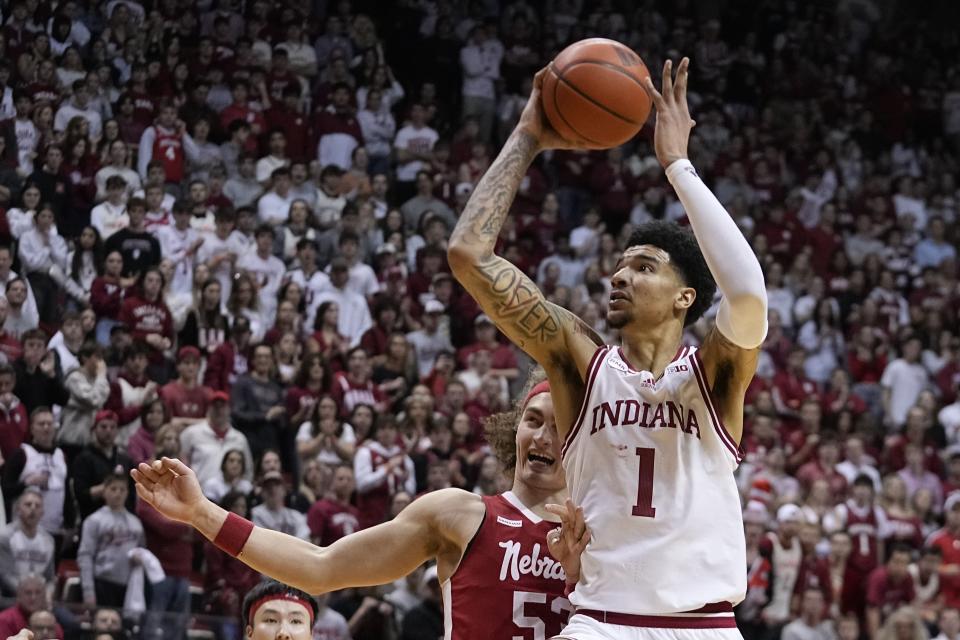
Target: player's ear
[(248, 632), (685, 298)]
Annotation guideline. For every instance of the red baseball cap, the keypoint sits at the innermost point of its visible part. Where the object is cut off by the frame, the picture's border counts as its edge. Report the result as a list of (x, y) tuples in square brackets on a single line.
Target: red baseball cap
[(220, 396), (188, 352), (104, 415)]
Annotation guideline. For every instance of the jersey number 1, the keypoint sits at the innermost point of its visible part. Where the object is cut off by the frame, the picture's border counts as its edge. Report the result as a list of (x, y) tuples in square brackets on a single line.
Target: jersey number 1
[(644, 507)]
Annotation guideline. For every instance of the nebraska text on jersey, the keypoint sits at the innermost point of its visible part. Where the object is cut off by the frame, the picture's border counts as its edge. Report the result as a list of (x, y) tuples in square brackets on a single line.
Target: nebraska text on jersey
[(652, 464), (516, 563)]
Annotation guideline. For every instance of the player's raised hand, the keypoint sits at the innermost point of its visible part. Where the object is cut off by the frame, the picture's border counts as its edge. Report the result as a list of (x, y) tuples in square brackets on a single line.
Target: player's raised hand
[(672, 131), (569, 540), (170, 487), (534, 121)]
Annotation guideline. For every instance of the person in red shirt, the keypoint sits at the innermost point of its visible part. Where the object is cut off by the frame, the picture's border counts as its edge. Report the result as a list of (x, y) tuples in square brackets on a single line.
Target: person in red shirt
[(13, 415), (185, 398), (108, 293), (802, 444), (147, 315), (284, 114), (333, 517), (240, 110), (791, 386), (144, 104), (229, 361), (503, 358), (354, 386), (824, 467), (888, 588), (947, 540)]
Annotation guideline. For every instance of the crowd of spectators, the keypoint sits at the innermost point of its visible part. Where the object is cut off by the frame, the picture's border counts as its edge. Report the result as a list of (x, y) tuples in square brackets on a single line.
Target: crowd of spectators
[(222, 237)]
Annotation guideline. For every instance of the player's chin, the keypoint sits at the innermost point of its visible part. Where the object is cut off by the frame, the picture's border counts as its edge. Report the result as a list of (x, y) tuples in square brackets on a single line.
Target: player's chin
[(617, 318)]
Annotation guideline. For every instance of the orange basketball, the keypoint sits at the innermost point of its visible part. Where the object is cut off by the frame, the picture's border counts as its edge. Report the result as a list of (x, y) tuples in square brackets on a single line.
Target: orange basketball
[(592, 92)]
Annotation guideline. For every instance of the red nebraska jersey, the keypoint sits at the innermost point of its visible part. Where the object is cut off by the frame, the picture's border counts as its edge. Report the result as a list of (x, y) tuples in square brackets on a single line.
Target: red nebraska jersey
[(168, 149), (949, 545), (507, 584), (865, 526)]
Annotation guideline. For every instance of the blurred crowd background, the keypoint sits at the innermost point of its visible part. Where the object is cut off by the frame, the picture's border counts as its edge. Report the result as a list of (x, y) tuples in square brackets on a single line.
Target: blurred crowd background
[(222, 237)]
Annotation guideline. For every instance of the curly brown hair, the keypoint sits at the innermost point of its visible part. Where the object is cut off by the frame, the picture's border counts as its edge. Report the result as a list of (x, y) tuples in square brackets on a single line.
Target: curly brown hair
[(501, 428)]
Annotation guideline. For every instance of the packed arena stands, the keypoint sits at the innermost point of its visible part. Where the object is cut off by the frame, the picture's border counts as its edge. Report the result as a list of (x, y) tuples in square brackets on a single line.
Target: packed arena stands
[(223, 230)]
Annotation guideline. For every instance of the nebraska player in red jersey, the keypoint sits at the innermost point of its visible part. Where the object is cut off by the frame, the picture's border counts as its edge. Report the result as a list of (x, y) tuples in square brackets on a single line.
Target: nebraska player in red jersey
[(498, 580)]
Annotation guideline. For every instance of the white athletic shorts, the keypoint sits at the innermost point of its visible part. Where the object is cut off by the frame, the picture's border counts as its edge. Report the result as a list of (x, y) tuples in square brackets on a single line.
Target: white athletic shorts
[(583, 627)]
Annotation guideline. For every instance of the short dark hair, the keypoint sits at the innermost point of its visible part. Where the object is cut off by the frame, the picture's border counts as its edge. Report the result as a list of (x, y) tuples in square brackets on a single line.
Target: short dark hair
[(274, 588), (686, 258)]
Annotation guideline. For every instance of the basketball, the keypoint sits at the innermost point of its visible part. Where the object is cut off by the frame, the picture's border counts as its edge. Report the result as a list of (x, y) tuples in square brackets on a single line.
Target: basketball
[(593, 92)]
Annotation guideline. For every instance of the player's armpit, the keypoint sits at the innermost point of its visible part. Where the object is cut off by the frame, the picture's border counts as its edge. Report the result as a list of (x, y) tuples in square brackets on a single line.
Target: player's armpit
[(374, 556), (729, 370)]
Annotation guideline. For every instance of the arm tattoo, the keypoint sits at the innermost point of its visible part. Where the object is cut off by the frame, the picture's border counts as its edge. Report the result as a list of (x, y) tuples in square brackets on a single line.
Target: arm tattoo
[(488, 206), (518, 303)]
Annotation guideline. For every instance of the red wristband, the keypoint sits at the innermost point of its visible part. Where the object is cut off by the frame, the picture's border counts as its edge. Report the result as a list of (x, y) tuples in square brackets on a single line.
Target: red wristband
[(233, 534)]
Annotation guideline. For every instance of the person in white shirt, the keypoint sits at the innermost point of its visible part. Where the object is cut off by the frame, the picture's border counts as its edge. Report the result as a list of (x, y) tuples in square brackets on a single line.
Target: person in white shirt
[(302, 57), (414, 147), (118, 166), (480, 61), (79, 106), (354, 318), (243, 189), (585, 239), (27, 134), (274, 206), (311, 279), (266, 269), (379, 128), (41, 250), (429, 342), (329, 201), (273, 514), (204, 444), (110, 216), (277, 157), (949, 416), (858, 463), (179, 243), (221, 249), (363, 279), (902, 381)]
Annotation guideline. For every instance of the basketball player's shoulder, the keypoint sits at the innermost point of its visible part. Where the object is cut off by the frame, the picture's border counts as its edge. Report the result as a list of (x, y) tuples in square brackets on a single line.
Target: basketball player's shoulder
[(445, 507)]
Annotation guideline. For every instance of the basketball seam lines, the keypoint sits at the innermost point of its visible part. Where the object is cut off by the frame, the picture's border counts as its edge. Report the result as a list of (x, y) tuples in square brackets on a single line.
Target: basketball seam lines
[(592, 101), (556, 108), (608, 65)]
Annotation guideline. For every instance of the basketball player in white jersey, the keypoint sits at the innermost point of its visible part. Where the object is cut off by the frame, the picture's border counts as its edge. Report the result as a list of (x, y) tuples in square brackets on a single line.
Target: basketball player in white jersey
[(651, 427)]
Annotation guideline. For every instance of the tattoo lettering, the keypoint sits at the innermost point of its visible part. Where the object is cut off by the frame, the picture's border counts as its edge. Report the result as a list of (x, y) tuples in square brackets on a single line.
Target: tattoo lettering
[(518, 301), (488, 206)]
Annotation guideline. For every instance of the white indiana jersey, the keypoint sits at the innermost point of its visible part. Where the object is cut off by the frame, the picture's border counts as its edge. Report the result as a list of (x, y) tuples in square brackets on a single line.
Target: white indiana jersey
[(652, 466)]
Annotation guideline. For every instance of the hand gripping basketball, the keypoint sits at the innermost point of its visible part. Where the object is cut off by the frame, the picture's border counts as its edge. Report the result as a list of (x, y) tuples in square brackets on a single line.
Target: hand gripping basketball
[(534, 122)]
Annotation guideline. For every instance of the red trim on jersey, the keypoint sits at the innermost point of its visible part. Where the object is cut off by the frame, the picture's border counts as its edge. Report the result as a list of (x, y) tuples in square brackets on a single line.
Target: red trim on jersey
[(661, 622), (725, 437), (592, 370)]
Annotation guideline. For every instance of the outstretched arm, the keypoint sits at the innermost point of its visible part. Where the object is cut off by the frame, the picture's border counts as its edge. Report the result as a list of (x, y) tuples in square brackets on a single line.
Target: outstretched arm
[(373, 556), (730, 351), (551, 335)]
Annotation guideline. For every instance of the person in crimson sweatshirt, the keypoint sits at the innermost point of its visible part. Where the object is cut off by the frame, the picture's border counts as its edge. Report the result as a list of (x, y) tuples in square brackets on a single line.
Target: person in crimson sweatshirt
[(13, 415), (107, 294), (130, 391), (148, 318), (333, 517), (229, 361), (185, 398)]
